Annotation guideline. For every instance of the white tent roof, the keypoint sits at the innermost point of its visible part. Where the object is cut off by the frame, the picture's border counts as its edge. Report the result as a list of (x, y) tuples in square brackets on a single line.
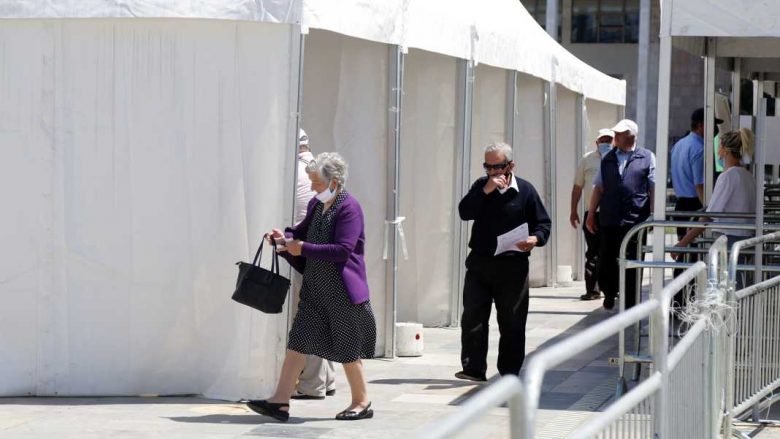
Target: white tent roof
[(745, 29), (500, 33), (725, 18)]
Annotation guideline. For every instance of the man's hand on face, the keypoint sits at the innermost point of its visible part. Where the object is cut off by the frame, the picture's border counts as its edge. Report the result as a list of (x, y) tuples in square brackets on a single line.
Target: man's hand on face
[(496, 181)]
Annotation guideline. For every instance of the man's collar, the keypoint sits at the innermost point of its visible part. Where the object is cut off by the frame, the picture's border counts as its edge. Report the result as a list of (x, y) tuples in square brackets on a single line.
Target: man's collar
[(632, 149), (512, 185)]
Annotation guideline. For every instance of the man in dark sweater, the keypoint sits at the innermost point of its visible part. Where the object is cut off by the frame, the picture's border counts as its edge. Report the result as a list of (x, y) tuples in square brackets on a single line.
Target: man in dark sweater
[(498, 203)]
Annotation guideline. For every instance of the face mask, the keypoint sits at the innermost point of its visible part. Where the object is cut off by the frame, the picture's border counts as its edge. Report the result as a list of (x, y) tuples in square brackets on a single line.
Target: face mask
[(604, 148), (721, 162), (326, 195)]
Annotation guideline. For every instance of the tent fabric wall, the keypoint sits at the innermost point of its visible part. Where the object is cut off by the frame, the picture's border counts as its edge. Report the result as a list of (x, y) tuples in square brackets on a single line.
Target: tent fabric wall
[(529, 154), (488, 123), (345, 110), (499, 33), (139, 158), (567, 152), (428, 161), (599, 115)]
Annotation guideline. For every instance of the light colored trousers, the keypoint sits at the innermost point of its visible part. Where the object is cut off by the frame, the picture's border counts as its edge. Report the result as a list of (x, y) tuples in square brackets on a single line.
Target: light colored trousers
[(318, 375)]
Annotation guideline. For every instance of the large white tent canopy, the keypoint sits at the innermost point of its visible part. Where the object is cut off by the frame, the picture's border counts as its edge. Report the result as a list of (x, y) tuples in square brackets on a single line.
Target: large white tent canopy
[(147, 144), (500, 33)]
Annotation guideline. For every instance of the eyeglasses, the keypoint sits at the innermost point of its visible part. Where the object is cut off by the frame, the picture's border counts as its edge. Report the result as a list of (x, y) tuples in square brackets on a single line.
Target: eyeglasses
[(497, 166)]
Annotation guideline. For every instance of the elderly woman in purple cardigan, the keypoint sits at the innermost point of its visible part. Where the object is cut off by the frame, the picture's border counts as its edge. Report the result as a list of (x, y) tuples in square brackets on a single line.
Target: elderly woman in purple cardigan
[(334, 319)]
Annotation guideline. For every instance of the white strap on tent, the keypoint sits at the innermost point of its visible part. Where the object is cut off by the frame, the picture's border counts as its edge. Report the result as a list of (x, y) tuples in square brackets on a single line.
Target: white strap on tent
[(398, 222)]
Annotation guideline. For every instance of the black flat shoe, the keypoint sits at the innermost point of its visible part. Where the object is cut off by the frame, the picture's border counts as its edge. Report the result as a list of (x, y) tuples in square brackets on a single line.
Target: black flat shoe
[(349, 415), (271, 409)]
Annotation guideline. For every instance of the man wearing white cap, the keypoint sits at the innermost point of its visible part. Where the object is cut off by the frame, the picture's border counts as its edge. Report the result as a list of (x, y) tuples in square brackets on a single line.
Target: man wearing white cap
[(623, 192), (587, 169), (303, 192), (318, 376)]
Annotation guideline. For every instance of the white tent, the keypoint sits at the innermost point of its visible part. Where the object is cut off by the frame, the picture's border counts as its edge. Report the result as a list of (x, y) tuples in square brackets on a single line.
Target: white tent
[(148, 144)]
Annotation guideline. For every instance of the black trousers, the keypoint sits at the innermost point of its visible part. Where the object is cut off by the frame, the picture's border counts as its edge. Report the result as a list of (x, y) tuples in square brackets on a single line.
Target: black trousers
[(684, 204), (503, 281), (609, 269), (592, 249)]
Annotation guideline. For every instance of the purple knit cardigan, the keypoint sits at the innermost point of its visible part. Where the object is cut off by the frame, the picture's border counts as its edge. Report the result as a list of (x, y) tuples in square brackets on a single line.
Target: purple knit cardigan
[(346, 248)]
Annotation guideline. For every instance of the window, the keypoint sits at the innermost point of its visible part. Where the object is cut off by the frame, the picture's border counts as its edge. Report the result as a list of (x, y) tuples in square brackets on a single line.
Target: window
[(538, 10), (605, 21)]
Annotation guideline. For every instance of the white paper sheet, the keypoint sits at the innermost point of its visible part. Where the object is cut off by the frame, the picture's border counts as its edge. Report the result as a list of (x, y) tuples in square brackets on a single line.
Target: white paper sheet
[(507, 241)]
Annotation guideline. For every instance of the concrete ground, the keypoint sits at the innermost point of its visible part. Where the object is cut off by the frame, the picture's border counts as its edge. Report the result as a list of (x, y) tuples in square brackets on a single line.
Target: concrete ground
[(407, 394)]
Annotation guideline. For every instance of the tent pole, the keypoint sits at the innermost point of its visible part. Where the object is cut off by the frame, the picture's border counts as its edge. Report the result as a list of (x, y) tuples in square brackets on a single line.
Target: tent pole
[(396, 75), (581, 130), (550, 158), (659, 203), (736, 92), (297, 61), (643, 70), (511, 108), (463, 176), (709, 116)]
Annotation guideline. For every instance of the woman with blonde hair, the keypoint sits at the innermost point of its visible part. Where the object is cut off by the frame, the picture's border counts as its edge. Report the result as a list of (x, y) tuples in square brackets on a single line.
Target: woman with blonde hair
[(735, 190)]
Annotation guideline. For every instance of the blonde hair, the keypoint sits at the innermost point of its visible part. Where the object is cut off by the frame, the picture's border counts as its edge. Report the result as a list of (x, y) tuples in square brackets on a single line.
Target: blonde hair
[(738, 143)]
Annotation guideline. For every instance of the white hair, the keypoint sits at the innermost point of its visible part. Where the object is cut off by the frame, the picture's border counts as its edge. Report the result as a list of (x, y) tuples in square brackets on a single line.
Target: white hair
[(329, 166), (501, 148)]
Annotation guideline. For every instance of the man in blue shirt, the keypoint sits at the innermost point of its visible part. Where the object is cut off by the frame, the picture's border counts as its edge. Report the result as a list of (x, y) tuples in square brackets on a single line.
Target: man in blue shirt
[(687, 170), (623, 190)]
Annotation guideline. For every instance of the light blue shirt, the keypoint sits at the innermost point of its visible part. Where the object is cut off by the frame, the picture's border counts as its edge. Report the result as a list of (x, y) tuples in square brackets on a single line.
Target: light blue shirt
[(688, 165), (622, 159)]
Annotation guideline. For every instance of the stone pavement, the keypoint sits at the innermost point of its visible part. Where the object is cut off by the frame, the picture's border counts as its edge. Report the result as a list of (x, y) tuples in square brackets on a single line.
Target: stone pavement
[(407, 394)]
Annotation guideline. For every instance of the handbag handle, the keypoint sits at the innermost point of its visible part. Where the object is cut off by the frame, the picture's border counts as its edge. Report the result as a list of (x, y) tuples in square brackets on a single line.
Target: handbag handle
[(274, 257)]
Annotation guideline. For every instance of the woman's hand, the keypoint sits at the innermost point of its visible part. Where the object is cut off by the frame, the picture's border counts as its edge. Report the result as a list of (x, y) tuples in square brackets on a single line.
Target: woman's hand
[(277, 236), (293, 247)]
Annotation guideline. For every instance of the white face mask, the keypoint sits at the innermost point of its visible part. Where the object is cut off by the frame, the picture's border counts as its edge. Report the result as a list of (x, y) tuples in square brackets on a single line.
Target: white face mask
[(326, 195)]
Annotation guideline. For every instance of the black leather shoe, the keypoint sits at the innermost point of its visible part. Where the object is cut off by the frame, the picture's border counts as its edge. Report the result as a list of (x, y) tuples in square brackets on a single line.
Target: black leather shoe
[(271, 409), (299, 395), (349, 415), (470, 376)]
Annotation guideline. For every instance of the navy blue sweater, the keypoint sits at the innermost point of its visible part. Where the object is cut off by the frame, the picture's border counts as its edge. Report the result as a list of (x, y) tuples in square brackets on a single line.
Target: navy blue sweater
[(495, 214)]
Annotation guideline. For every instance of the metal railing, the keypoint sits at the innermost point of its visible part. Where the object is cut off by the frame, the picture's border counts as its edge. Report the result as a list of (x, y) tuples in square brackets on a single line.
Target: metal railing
[(654, 408), (508, 389), (638, 230), (708, 378), (753, 337)]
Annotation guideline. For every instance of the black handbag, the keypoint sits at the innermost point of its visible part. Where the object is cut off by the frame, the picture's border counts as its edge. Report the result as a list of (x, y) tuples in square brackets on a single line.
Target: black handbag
[(259, 288)]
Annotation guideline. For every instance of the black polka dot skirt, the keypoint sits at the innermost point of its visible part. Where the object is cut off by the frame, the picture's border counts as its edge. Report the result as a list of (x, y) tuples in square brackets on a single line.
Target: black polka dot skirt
[(327, 324)]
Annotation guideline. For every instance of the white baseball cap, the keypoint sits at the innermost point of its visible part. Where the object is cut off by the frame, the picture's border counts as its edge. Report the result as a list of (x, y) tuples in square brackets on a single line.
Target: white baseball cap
[(626, 125), (303, 139), (605, 132)]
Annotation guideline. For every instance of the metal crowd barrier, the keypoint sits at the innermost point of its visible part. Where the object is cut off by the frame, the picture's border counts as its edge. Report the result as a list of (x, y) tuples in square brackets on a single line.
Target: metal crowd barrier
[(753, 337), (677, 399), (635, 357), (508, 388), (524, 397), (716, 372)]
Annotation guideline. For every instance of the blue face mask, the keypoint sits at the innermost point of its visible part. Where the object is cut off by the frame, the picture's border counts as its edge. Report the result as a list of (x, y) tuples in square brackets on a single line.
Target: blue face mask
[(604, 148), (721, 162)]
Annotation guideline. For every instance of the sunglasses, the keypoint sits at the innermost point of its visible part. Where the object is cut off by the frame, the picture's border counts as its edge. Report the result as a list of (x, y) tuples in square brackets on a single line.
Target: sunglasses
[(497, 166)]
